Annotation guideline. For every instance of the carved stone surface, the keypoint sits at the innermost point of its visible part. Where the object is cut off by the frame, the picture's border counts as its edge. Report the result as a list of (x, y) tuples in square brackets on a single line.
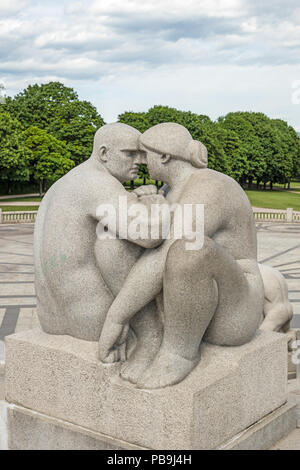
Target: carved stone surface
[(229, 390), (278, 311), (213, 293), (151, 309)]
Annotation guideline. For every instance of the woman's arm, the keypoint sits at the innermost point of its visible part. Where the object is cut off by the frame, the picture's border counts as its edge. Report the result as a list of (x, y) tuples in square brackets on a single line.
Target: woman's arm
[(143, 284)]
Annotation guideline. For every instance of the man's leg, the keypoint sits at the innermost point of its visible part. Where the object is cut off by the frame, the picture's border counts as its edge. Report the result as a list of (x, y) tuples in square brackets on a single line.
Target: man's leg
[(200, 286)]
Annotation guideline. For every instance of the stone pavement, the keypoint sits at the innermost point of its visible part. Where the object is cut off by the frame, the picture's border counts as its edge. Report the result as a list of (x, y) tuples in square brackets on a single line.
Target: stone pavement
[(279, 246)]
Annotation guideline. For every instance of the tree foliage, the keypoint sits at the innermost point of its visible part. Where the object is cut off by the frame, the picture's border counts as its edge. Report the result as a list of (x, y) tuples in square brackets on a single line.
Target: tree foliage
[(46, 129), (57, 109), (14, 155), (49, 157), (245, 145)]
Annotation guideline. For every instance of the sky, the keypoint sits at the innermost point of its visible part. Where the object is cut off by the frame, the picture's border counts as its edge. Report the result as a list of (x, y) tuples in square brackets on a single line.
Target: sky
[(206, 56)]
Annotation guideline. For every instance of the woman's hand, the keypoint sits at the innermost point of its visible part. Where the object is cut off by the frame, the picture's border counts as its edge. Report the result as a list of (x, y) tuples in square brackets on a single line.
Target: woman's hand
[(112, 337)]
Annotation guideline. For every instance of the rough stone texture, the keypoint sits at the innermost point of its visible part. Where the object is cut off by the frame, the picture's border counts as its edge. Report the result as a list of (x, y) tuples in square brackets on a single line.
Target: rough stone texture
[(29, 430), (73, 268), (3, 425), (278, 311), (2, 369), (294, 388), (266, 432), (212, 290), (229, 390), (32, 430), (290, 442)]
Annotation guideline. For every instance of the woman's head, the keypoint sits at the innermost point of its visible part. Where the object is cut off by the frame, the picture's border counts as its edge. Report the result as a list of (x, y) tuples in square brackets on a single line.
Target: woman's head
[(167, 141)]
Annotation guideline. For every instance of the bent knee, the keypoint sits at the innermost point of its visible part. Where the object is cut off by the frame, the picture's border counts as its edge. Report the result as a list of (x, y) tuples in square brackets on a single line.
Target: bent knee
[(181, 259)]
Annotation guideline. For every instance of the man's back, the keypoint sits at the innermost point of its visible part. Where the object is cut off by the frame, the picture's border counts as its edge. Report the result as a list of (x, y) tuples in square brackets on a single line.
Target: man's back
[(68, 280)]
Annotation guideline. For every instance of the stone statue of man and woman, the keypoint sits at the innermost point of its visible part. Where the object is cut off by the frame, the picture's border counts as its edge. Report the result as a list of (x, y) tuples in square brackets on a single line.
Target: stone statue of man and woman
[(149, 302)]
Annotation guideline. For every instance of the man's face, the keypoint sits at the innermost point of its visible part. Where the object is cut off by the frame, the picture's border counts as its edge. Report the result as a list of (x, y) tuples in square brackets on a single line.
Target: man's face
[(124, 160)]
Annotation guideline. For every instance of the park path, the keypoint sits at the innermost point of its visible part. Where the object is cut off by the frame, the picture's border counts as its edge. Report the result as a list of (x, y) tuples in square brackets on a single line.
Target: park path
[(21, 204), (20, 195)]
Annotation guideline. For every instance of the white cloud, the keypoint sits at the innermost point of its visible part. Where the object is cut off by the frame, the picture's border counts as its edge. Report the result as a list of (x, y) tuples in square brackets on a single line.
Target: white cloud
[(8, 7), (145, 52)]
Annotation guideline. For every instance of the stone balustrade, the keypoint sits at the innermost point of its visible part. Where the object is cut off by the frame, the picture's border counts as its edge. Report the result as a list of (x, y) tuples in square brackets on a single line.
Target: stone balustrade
[(270, 215), (16, 217), (288, 215)]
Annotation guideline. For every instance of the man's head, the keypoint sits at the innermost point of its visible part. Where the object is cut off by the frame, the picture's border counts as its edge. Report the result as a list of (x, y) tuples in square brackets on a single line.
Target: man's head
[(116, 146), (167, 142)]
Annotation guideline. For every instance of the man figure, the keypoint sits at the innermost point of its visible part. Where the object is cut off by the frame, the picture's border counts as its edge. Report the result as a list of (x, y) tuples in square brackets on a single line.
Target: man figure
[(215, 293), (77, 275)]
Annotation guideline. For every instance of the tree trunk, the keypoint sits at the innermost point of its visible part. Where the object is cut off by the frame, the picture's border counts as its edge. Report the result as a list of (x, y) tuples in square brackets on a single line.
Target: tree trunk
[(271, 185), (132, 184), (265, 185), (41, 187), (289, 185)]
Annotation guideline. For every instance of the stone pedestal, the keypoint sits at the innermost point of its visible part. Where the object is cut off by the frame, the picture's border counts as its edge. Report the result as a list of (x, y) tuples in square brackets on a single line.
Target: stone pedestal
[(58, 381)]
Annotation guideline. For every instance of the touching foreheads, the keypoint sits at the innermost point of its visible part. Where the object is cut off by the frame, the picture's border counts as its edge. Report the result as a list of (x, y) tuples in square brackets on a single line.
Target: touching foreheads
[(175, 140)]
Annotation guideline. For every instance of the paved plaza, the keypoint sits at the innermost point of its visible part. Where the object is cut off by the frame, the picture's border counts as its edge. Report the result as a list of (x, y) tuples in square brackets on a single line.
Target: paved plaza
[(278, 245)]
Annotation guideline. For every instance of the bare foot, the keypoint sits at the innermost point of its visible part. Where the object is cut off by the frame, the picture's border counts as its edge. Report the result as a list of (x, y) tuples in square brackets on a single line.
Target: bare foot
[(139, 360), (166, 369)]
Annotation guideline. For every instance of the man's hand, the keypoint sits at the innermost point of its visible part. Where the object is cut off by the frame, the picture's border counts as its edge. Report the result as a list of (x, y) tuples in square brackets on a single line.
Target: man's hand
[(112, 337)]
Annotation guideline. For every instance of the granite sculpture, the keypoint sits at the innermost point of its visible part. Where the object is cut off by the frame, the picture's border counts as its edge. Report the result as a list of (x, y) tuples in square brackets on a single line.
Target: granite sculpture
[(214, 294), (151, 302), (78, 275), (278, 311)]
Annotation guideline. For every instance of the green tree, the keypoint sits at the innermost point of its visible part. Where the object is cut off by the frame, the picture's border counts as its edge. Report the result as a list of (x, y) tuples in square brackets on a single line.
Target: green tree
[(49, 157), (137, 120), (57, 109), (289, 143), (251, 148), (76, 124), (14, 155), (200, 127)]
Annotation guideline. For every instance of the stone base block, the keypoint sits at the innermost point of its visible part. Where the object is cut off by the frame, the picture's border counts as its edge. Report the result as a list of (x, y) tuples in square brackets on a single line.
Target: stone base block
[(269, 430), (27, 430), (2, 369), (230, 390)]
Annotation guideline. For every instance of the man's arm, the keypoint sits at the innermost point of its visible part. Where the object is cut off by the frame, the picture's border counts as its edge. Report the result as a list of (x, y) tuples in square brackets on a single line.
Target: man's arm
[(127, 206)]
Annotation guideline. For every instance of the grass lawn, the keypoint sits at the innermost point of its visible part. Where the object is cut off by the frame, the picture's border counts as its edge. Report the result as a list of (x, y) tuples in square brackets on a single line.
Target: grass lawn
[(274, 199), (22, 199), (18, 208)]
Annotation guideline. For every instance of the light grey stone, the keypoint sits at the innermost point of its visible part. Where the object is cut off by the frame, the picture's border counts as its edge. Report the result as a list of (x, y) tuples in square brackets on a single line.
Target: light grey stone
[(278, 311), (290, 442), (214, 293), (230, 389), (2, 371), (3, 425), (268, 431), (77, 275), (294, 389), (29, 430)]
